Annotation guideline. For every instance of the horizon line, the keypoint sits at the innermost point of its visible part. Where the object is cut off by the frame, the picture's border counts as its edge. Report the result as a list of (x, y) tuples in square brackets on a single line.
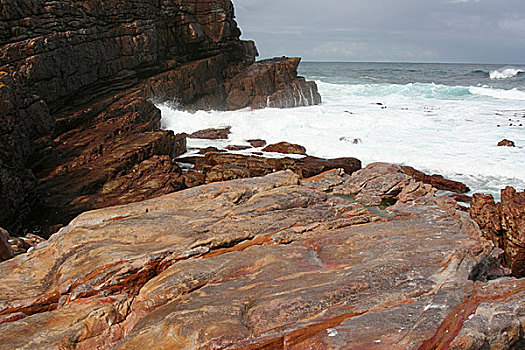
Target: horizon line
[(385, 61)]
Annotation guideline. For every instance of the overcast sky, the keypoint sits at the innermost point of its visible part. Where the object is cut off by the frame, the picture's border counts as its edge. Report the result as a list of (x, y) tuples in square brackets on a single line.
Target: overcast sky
[(476, 31)]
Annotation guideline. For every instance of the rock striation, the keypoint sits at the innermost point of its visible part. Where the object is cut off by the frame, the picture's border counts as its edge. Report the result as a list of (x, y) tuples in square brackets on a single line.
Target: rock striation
[(437, 181), (77, 124), (220, 166), (504, 224), (268, 262), (271, 83)]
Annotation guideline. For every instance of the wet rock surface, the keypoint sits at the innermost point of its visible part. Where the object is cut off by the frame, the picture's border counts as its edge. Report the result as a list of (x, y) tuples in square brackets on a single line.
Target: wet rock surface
[(219, 166), (506, 143), (76, 84), (262, 263), (504, 224), (257, 143), (211, 134), (271, 83), (382, 184), (437, 181), (286, 148)]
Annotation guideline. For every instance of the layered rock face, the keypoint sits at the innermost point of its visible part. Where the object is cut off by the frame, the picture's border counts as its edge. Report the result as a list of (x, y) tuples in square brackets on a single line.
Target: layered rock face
[(504, 224), (76, 80), (220, 166), (265, 263)]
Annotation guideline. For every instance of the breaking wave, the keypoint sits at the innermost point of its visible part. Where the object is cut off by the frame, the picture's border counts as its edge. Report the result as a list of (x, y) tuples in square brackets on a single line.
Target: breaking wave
[(424, 90), (505, 73)]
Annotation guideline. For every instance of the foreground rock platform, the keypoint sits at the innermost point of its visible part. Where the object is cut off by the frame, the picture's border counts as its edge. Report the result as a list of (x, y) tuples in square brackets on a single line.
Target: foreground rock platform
[(266, 263)]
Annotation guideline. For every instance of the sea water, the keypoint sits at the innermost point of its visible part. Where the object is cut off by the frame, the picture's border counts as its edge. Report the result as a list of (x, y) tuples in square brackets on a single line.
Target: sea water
[(439, 118)]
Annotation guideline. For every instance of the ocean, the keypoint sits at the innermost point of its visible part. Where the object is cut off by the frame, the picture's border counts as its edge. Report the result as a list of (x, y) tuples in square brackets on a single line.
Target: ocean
[(439, 118)]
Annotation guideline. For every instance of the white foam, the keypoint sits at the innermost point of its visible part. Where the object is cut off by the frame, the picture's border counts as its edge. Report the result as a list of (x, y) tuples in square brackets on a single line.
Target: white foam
[(505, 73), (513, 94), (455, 137)]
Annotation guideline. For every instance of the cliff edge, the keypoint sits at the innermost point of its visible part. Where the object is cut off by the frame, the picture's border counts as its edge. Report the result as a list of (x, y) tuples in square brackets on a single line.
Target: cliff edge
[(76, 83)]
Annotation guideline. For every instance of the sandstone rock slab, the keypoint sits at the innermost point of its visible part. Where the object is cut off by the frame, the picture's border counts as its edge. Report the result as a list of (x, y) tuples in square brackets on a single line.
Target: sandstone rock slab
[(260, 263)]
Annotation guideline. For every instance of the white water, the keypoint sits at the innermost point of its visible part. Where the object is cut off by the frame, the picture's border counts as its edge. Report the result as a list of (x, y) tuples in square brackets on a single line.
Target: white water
[(505, 73), (450, 131)]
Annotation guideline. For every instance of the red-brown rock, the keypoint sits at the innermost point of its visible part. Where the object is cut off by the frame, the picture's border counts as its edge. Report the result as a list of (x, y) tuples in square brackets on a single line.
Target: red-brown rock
[(257, 143), (237, 147), (462, 198), (261, 263), (21, 245), (512, 211), (202, 151), (381, 184), (227, 166), (310, 166), (436, 181), (506, 143), (271, 83), (6, 252), (100, 163), (285, 148), (211, 134), (504, 224), (486, 213), (76, 79)]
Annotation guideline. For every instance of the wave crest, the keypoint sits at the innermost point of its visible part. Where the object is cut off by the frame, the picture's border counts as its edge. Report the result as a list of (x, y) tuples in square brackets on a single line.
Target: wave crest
[(505, 73), (513, 94)]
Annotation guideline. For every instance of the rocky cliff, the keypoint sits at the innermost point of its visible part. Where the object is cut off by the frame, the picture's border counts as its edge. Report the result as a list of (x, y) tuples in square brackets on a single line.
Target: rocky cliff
[(76, 83)]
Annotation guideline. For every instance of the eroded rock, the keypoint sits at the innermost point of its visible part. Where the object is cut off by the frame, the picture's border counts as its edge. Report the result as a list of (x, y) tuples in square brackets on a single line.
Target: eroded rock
[(437, 181), (271, 83), (228, 166), (76, 84), (383, 184), (504, 224), (122, 157), (262, 262), (506, 143), (257, 143), (211, 134), (6, 252), (285, 148)]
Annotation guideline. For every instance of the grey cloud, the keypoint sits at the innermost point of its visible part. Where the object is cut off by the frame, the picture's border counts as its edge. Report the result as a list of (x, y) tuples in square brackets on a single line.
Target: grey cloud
[(387, 30)]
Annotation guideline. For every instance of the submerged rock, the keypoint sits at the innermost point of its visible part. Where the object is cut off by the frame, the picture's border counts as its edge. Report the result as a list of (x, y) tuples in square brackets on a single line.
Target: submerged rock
[(506, 143), (262, 262)]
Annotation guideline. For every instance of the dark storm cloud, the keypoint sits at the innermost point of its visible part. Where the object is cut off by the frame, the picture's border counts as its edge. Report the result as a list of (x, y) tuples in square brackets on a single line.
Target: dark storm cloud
[(491, 31)]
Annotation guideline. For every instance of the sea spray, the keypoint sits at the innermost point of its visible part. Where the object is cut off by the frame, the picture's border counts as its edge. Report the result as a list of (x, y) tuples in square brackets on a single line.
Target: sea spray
[(505, 73), (451, 130)]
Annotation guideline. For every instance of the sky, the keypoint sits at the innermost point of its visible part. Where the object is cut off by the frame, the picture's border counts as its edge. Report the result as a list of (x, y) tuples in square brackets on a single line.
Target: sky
[(469, 31)]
